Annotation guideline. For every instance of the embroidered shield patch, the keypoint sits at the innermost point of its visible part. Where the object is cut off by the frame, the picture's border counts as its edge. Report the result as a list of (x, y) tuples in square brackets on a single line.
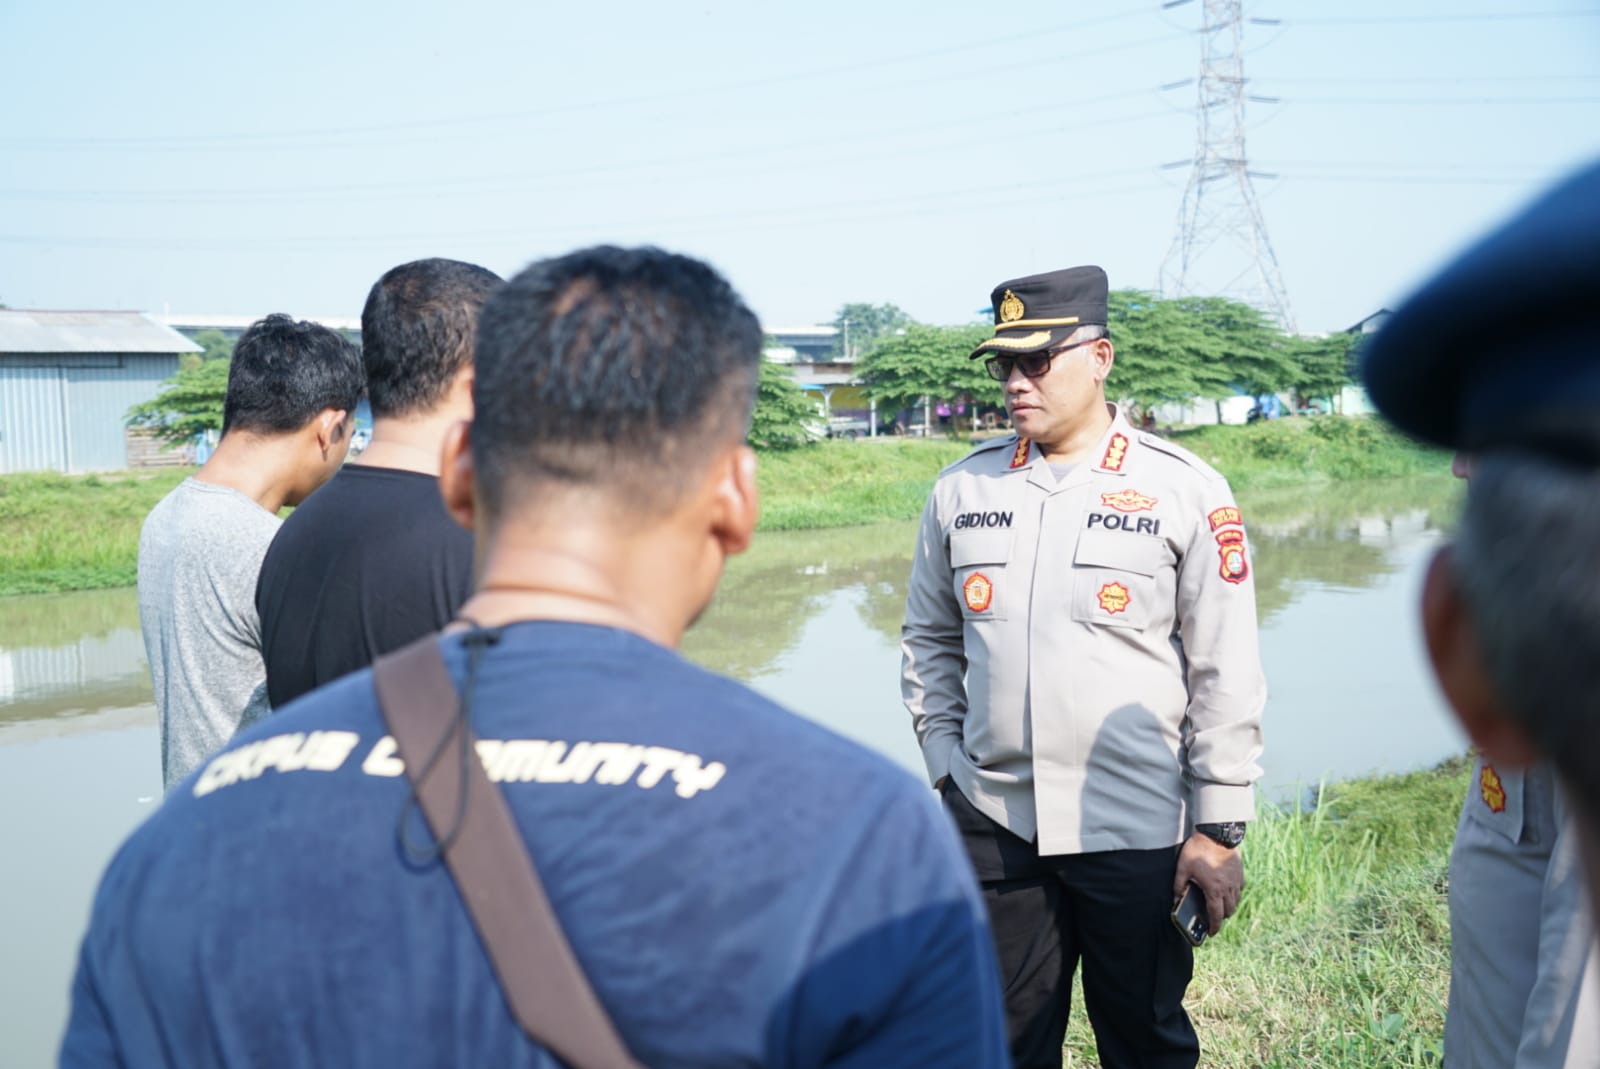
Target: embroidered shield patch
[(1235, 565), (978, 591)]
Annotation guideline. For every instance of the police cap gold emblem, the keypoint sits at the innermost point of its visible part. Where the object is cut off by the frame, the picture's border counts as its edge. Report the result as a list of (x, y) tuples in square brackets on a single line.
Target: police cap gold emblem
[(1042, 311)]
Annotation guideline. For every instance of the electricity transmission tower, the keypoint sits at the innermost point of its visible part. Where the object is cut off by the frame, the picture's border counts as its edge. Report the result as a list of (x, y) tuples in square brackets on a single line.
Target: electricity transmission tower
[(1221, 245)]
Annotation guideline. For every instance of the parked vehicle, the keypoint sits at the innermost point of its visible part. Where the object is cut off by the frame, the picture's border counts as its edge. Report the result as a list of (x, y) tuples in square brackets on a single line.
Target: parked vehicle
[(848, 427)]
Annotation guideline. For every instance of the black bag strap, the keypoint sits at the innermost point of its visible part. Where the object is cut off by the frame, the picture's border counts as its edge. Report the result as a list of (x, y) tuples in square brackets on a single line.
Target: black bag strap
[(488, 859)]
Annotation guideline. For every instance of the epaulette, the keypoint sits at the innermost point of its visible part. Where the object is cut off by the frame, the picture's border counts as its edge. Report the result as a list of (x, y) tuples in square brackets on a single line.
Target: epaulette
[(1009, 441), (1179, 453)]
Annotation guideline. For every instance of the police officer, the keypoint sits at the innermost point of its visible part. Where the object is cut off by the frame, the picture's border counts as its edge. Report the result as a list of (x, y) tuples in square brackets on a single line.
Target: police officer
[(1524, 980), (1079, 658), (1525, 408)]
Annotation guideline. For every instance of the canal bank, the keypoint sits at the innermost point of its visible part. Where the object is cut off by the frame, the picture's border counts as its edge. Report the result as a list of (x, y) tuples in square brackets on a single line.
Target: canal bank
[(61, 532)]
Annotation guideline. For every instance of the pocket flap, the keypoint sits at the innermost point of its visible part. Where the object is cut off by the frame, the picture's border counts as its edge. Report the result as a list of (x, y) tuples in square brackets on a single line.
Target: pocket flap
[(979, 547), (1141, 554)]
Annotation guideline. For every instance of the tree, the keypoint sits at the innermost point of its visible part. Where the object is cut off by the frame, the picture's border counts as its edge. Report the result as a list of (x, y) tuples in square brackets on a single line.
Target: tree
[(1255, 355), (782, 411), (1325, 365), (1211, 347), (1164, 353), (189, 403), (930, 362), (864, 325), (216, 346)]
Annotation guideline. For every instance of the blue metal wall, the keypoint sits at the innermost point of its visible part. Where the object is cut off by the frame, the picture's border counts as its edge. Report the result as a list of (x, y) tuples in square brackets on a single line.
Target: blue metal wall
[(67, 412)]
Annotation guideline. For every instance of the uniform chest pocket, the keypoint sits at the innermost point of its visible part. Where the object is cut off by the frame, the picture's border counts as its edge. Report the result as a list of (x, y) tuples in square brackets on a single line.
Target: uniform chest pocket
[(978, 571), (1114, 578)]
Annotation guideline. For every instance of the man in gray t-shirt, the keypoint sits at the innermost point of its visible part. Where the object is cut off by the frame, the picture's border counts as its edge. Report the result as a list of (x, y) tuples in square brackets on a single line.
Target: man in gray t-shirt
[(199, 553), (292, 389)]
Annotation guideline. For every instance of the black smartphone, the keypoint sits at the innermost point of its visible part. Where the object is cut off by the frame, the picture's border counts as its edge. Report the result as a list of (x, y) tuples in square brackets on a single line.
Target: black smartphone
[(1189, 915)]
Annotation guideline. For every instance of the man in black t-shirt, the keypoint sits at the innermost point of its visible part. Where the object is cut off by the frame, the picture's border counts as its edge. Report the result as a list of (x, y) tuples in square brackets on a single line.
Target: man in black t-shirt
[(372, 561)]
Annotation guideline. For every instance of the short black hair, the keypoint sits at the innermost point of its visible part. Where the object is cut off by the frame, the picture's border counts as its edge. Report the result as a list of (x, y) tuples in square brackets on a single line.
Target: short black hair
[(284, 372), (618, 369), (417, 329)]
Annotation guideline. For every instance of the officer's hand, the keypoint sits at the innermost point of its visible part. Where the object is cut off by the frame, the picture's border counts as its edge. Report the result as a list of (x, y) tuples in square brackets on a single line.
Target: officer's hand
[(1217, 870)]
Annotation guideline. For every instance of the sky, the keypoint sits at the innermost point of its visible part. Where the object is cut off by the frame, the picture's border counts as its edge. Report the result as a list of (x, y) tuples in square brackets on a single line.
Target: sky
[(236, 159)]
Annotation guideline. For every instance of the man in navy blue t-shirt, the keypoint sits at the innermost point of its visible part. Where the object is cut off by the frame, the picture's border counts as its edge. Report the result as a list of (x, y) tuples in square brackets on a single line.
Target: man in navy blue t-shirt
[(741, 887)]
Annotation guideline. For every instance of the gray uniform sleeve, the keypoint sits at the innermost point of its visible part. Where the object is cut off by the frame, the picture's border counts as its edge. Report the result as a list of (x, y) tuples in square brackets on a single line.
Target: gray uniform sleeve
[(932, 656), (1227, 691), (1561, 1022)]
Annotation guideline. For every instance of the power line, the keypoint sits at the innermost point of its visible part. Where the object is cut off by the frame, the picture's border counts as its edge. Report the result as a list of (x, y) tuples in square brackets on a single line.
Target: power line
[(1383, 20), (977, 197), (274, 139), (475, 185)]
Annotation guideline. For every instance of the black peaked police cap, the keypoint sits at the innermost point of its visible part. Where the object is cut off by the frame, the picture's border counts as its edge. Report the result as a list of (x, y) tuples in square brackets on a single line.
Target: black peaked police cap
[(1040, 311), (1502, 349)]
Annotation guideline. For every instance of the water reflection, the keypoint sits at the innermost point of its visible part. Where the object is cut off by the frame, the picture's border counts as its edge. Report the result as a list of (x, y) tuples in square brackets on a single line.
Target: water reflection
[(1341, 535), (1347, 535), (62, 655)]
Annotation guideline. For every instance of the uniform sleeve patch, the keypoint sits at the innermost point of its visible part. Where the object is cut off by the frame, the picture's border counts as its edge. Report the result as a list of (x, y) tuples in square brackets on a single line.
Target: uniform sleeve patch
[(1114, 597), (1128, 501), (1116, 452), (1019, 456), (1224, 516), (1492, 790), (1235, 565), (978, 591)]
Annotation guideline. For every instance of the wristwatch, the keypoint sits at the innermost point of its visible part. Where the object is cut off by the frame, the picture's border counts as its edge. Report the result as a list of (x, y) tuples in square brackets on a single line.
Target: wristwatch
[(1229, 834)]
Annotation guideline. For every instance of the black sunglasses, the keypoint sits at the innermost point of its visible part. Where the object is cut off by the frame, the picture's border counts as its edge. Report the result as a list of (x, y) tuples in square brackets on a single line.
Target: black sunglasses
[(1032, 364)]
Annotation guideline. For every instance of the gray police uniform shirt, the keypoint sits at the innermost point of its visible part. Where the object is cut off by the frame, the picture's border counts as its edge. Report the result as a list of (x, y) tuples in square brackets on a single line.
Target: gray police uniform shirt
[(1079, 654), (200, 553), (1524, 974)]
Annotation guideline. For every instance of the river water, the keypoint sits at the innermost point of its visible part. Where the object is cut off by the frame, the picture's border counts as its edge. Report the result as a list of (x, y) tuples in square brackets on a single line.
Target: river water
[(810, 618)]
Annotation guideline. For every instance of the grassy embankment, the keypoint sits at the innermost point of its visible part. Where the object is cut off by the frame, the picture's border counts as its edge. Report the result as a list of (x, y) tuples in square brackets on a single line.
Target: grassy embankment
[(1339, 955), (81, 533)]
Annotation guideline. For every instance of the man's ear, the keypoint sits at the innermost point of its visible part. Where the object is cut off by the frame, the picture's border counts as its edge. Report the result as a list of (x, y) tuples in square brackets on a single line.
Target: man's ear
[(457, 476), (1457, 656), (736, 502), (1104, 356), (331, 428)]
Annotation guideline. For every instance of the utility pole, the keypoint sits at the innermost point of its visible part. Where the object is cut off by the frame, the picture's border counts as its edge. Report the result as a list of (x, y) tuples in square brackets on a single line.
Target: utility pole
[(1221, 246)]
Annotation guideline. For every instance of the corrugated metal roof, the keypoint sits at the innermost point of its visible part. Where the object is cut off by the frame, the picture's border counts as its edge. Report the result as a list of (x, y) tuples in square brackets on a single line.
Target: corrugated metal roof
[(198, 322), (24, 331)]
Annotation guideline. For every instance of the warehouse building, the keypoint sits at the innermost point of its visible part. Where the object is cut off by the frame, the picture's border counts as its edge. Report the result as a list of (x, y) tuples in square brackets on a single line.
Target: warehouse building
[(67, 380)]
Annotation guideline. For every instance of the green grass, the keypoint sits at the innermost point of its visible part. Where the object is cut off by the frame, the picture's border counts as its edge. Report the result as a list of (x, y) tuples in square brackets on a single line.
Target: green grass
[(1317, 449), (62, 532), (1339, 955), (843, 484)]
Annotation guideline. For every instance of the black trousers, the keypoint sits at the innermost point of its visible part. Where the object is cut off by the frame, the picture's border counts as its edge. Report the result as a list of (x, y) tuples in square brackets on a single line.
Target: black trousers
[(1111, 910)]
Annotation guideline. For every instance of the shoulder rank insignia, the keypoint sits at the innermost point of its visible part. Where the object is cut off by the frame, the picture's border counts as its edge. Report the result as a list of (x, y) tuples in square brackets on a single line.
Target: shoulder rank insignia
[(1235, 565), (1224, 516), (1493, 791), (978, 591), (1128, 501), (1116, 452), (1114, 597), (1019, 456), (1011, 308)]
